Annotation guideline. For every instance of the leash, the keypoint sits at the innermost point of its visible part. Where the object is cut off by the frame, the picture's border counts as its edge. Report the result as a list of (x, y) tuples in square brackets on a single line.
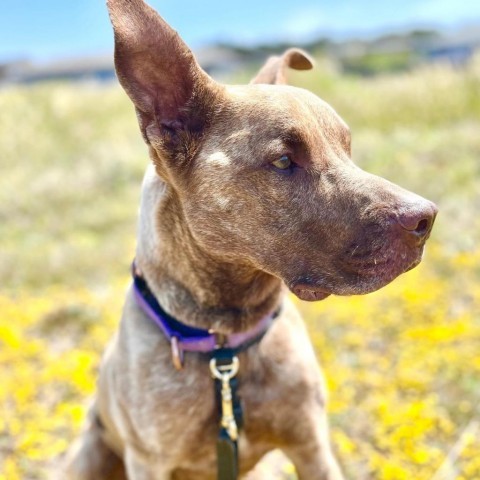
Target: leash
[(224, 365), (224, 368)]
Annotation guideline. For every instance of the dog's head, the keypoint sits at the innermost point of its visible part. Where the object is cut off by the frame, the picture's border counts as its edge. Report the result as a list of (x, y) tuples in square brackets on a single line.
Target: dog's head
[(263, 171)]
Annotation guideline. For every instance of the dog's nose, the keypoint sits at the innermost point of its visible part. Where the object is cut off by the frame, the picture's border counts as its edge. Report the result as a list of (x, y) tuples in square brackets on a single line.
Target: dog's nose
[(417, 221)]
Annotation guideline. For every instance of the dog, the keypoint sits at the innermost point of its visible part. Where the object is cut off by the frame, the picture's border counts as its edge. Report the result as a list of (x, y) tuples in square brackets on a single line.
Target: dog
[(251, 193)]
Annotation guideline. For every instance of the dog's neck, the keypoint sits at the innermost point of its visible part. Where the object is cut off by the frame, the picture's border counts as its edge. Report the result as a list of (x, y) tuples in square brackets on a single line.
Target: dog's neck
[(193, 285)]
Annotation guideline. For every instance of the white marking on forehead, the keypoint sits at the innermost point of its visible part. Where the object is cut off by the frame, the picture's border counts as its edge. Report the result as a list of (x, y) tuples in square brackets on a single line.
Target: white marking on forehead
[(221, 201), (218, 158)]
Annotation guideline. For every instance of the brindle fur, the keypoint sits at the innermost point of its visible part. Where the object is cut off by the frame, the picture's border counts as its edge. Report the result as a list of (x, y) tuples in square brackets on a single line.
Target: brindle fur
[(222, 236)]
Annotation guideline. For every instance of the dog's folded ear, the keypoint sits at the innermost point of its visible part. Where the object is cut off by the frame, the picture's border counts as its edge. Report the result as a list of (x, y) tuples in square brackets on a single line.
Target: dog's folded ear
[(275, 69), (159, 72)]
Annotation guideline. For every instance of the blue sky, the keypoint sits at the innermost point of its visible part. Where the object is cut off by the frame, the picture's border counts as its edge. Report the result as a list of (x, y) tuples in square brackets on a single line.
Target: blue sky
[(46, 29)]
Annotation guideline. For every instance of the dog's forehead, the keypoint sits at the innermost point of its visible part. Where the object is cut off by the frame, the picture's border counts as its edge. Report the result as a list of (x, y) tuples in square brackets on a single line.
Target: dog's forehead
[(270, 117), (283, 105)]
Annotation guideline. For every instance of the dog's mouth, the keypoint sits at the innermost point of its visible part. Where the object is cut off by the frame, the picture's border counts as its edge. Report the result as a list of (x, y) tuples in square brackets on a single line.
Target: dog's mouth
[(357, 277)]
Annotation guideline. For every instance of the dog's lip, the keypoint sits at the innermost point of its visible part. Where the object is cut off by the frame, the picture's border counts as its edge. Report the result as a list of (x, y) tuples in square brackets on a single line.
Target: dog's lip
[(309, 293), (372, 267)]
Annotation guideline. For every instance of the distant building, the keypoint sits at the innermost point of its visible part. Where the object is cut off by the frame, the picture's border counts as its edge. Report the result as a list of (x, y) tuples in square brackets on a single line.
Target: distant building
[(98, 68), (456, 48), (456, 55)]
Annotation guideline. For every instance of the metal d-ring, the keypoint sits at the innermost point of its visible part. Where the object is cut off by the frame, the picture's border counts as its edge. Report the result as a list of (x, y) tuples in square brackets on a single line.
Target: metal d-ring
[(177, 353), (224, 372)]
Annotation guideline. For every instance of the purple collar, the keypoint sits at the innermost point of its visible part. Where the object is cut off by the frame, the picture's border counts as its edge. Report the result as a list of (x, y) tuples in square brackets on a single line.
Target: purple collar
[(182, 337)]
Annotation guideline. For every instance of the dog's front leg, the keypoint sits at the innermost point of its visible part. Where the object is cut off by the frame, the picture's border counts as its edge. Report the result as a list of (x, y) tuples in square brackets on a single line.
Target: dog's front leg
[(142, 467), (313, 457)]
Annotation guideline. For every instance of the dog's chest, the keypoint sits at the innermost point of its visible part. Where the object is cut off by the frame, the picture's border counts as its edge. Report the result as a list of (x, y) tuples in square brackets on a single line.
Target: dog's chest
[(179, 421)]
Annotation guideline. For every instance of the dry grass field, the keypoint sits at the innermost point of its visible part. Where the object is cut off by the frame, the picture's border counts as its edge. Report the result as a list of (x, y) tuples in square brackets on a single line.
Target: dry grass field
[(402, 364)]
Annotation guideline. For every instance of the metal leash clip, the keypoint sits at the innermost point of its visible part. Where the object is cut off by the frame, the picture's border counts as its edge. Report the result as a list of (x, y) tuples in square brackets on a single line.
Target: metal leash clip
[(225, 373)]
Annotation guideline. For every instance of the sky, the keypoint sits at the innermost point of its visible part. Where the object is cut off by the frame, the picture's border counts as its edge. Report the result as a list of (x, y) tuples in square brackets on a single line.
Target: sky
[(43, 30)]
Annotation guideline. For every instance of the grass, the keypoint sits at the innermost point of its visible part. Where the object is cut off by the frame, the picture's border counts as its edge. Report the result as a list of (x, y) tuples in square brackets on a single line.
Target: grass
[(403, 364)]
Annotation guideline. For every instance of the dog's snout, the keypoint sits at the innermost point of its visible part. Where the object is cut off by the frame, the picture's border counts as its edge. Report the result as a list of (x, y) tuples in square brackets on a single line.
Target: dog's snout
[(418, 220)]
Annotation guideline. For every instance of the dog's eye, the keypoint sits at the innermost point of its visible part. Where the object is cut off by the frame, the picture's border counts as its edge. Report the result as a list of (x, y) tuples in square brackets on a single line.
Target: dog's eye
[(283, 163)]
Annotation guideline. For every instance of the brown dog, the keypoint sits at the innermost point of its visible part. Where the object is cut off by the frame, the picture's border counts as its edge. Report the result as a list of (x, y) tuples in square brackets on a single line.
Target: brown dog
[(252, 192)]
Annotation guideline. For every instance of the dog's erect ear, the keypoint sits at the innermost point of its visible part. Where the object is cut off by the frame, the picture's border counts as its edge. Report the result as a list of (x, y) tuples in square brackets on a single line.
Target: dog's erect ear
[(275, 70), (158, 71)]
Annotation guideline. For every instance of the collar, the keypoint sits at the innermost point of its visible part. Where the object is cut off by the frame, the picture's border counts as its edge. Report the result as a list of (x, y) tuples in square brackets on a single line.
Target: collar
[(183, 337)]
